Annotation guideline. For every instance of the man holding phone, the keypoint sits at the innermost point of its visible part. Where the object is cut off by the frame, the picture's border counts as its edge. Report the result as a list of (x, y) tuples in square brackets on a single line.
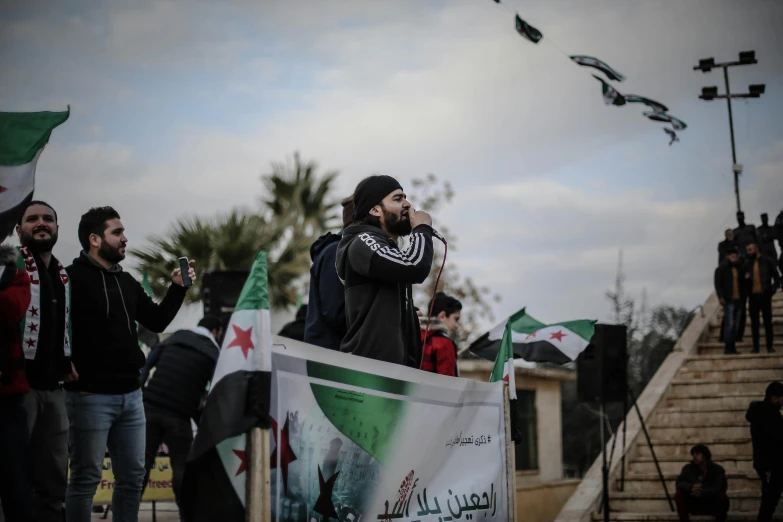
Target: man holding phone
[(105, 406)]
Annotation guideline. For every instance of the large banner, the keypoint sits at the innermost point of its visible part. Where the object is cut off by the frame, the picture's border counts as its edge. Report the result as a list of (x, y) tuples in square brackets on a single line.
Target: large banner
[(159, 487), (357, 440)]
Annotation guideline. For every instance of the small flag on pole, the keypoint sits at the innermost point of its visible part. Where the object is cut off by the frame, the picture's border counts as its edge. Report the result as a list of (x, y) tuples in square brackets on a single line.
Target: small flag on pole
[(504, 371)]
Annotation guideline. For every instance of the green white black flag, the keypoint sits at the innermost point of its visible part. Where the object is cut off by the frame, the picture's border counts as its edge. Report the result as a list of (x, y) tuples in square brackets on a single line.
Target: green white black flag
[(611, 96), (677, 124), (528, 31), (590, 61), (654, 105)]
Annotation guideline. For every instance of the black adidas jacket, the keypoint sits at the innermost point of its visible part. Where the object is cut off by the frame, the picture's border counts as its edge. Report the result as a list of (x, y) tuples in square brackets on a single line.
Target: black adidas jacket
[(105, 305), (382, 321)]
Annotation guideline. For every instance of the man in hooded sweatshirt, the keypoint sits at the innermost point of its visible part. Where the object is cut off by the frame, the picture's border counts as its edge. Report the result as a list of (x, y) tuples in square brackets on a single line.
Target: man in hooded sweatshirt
[(378, 276), (325, 324), (766, 432), (105, 406)]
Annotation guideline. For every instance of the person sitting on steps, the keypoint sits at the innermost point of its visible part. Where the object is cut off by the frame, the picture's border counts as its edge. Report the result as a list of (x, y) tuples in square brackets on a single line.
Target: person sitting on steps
[(701, 487)]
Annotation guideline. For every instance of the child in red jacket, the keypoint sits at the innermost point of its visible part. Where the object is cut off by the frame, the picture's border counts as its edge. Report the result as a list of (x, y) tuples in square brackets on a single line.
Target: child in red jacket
[(439, 351), (16, 486)]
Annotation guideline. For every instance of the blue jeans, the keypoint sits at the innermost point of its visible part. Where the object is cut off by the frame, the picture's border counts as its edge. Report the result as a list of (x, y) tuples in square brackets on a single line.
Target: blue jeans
[(732, 311), (98, 422)]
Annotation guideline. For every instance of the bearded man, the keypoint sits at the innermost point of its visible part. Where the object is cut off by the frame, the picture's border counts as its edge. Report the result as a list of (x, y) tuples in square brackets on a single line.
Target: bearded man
[(378, 276), (105, 407), (47, 354)]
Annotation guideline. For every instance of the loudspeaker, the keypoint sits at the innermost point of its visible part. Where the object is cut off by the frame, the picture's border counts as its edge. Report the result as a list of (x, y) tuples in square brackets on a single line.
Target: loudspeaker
[(220, 292), (602, 368)]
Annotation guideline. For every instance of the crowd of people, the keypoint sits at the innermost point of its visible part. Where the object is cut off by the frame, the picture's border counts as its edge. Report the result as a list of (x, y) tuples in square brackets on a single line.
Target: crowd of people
[(748, 275), (64, 409)]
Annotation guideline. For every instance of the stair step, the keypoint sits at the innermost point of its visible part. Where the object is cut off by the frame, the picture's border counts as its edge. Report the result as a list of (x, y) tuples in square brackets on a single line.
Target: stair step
[(738, 375), (714, 386), (650, 483), (742, 501), (646, 465), (694, 417), (712, 401), (723, 362), (695, 434), (740, 447)]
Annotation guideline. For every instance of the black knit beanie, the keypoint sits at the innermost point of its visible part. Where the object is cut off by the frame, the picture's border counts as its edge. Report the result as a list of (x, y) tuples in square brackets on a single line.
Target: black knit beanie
[(371, 191)]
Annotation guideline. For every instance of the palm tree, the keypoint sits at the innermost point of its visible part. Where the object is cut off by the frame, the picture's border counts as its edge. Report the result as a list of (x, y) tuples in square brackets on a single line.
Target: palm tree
[(296, 190), (226, 242)]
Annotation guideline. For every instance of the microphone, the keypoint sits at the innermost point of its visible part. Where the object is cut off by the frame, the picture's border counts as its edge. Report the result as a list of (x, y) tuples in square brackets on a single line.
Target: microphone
[(439, 236)]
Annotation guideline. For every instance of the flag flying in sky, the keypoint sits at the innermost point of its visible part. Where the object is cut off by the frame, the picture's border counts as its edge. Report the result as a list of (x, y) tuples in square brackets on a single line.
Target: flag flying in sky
[(654, 105), (534, 341), (611, 96), (528, 31), (23, 136), (238, 400), (589, 61)]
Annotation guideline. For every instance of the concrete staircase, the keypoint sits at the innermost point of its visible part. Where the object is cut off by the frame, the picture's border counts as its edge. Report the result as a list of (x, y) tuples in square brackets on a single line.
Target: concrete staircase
[(704, 403)]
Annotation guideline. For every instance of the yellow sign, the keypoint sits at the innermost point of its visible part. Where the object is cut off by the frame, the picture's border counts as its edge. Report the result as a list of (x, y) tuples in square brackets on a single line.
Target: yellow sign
[(159, 486)]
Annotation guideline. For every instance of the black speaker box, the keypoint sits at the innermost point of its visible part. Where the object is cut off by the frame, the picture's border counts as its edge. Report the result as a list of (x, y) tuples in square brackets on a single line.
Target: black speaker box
[(220, 292), (602, 368)]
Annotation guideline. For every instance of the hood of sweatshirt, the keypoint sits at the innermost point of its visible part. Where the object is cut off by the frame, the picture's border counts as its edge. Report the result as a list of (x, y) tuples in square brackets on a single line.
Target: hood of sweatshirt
[(322, 242), (85, 260)]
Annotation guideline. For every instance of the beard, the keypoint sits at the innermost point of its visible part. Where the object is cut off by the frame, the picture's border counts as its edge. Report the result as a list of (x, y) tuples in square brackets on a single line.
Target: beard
[(110, 253), (38, 246), (395, 224)]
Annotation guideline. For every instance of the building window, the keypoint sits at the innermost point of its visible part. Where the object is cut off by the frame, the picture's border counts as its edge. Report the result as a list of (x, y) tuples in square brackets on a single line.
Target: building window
[(527, 450)]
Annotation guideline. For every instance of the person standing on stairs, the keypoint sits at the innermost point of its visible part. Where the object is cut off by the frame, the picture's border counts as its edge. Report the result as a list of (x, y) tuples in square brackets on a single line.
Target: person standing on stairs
[(763, 279), (701, 487), (730, 288), (766, 432)]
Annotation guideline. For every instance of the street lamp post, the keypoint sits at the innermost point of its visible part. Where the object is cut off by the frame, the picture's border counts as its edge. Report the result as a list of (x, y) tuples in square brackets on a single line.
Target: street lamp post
[(711, 93)]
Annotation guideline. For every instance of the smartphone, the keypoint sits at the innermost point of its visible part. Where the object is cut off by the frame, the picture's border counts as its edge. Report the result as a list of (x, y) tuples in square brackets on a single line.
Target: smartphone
[(184, 267)]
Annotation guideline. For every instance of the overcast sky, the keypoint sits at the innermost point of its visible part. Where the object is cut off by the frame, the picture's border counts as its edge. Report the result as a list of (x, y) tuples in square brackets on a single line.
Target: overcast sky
[(178, 107)]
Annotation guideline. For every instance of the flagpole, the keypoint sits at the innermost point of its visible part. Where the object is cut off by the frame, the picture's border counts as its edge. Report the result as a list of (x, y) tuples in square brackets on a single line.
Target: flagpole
[(258, 490), (511, 472)]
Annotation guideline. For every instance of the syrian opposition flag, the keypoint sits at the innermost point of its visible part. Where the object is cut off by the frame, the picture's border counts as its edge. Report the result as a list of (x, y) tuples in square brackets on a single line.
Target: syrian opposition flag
[(504, 371), (677, 124), (238, 400), (654, 105), (528, 31), (611, 96), (534, 341), (589, 61), (23, 136)]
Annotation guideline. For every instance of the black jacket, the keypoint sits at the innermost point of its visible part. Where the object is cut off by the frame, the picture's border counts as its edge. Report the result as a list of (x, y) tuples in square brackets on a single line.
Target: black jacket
[(768, 273), (745, 235), (325, 324), (767, 236), (723, 249), (712, 484), (382, 321), (724, 280), (766, 432), (184, 364), (105, 305), (296, 328), (50, 364)]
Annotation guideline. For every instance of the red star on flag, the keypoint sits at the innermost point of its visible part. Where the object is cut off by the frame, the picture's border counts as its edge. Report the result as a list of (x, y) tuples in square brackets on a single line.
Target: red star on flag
[(2, 189), (243, 461), (533, 335), (558, 335), (33, 327), (286, 452), (242, 339), (30, 343), (33, 311)]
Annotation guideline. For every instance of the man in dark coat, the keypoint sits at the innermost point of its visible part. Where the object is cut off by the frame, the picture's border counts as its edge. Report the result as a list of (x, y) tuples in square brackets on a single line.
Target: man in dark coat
[(184, 364), (731, 290), (767, 236), (766, 432), (725, 245), (325, 324), (744, 234), (701, 487), (762, 280), (378, 276)]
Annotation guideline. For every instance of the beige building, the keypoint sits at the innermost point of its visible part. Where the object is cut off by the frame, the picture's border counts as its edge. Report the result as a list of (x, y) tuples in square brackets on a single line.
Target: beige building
[(541, 489)]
